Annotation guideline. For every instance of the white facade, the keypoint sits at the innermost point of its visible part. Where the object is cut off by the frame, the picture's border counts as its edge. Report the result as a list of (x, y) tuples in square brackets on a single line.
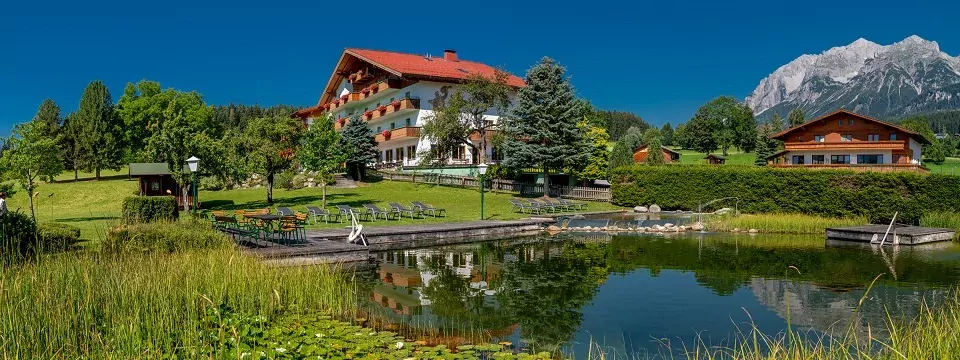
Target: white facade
[(427, 93)]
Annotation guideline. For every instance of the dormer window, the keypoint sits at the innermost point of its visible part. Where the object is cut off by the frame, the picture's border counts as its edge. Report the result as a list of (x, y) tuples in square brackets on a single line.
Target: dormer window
[(873, 137), (893, 137), (850, 122)]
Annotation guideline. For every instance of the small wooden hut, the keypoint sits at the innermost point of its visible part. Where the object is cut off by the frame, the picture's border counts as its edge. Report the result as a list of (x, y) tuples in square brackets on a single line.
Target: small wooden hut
[(156, 180), (715, 159)]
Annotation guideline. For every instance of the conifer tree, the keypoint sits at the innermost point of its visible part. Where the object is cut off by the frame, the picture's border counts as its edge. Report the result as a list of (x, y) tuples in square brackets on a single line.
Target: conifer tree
[(100, 137), (763, 150), (777, 124), (621, 155), (655, 152), (796, 117), (667, 133), (358, 141), (542, 130), (48, 119)]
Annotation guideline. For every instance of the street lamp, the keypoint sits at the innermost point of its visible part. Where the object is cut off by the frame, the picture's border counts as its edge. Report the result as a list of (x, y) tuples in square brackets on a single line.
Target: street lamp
[(193, 163), (482, 169)]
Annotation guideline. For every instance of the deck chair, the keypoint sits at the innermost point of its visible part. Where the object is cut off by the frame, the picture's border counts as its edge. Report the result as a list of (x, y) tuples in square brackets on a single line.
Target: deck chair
[(316, 212), (573, 204), (375, 211), (542, 206), (400, 210), (557, 204), (424, 208), (522, 207), (345, 211), (285, 211)]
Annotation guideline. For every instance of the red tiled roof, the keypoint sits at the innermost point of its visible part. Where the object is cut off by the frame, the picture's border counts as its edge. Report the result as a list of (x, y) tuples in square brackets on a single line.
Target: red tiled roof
[(435, 67)]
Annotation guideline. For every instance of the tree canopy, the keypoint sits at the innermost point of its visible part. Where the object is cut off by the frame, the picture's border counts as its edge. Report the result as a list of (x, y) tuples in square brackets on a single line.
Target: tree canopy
[(270, 144), (30, 155), (100, 135), (359, 144), (321, 151)]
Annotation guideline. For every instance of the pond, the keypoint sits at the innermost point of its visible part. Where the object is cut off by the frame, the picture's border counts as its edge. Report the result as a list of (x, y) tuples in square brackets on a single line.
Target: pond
[(634, 294)]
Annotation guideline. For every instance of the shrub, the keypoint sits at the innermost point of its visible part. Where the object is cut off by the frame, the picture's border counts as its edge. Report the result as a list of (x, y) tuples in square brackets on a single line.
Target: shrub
[(284, 180), (18, 236), (58, 237), (830, 193), (141, 209), (164, 236)]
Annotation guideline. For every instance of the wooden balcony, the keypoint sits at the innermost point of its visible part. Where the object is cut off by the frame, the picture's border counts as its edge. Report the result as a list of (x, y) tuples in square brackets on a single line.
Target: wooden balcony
[(394, 107), (858, 167), (377, 88), (846, 145), (475, 136), (401, 133)]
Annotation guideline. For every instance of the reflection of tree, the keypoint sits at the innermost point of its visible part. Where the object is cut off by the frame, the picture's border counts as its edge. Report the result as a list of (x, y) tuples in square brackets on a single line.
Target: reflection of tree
[(453, 300), (544, 292)]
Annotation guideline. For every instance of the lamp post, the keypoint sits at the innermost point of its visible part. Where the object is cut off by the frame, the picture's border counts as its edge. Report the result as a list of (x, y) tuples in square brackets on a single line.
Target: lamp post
[(193, 163), (482, 169)]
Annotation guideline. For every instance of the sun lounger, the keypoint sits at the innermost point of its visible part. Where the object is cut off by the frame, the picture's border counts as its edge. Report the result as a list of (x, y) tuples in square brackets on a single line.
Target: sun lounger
[(374, 211), (523, 207), (317, 212), (425, 208), (400, 210)]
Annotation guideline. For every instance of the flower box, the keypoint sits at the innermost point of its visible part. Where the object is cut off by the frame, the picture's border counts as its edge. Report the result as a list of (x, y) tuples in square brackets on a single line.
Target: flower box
[(368, 114), (342, 121), (382, 109), (395, 104), (386, 134), (344, 98)]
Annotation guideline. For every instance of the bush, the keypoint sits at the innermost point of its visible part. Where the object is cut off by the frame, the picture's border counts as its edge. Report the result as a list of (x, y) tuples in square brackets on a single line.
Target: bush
[(831, 193), (18, 236), (58, 237), (142, 209), (164, 236), (284, 180)]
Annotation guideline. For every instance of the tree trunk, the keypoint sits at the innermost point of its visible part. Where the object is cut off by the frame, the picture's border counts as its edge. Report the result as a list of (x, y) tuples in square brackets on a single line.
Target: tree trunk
[(546, 181), (33, 214), (184, 190), (323, 197), (98, 174), (76, 174), (483, 146), (270, 188)]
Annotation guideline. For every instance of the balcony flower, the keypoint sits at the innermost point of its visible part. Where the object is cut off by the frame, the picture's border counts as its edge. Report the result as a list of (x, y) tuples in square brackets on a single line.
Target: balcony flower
[(386, 134), (344, 98), (342, 121), (368, 114), (395, 104), (382, 109)]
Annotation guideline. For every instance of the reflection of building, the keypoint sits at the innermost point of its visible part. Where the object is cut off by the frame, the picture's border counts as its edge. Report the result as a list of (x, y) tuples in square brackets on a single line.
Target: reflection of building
[(414, 269)]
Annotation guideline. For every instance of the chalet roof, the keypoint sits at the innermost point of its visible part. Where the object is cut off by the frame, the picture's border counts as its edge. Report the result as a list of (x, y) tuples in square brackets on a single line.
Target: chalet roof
[(669, 150), (714, 156), (144, 169), (410, 66), (913, 134)]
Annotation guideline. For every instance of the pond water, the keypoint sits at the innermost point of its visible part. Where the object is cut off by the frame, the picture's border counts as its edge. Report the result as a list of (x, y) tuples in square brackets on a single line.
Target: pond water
[(633, 293)]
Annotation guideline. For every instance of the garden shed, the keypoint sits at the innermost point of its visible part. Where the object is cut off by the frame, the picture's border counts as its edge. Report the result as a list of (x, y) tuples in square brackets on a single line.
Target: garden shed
[(155, 180)]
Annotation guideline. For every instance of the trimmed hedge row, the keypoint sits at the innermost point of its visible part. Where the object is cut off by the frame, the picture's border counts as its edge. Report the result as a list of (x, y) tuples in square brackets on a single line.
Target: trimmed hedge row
[(143, 209), (58, 237), (836, 193)]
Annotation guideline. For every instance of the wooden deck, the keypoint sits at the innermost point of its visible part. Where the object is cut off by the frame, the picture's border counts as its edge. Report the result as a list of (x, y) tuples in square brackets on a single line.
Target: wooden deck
[(899, 235), (330, 245)]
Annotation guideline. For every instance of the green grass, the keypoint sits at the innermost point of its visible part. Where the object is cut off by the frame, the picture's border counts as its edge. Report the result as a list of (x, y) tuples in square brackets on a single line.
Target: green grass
[(950, 166), (735, 157), (782, 223), (101, 305), (94, 206)]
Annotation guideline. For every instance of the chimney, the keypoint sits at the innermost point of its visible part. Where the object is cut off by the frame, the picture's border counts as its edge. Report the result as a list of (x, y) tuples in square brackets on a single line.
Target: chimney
[(450, 55)]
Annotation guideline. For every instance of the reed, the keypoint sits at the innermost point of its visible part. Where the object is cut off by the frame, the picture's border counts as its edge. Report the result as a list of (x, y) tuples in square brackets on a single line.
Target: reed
[(152, 304), (782, 223), (949, 220)]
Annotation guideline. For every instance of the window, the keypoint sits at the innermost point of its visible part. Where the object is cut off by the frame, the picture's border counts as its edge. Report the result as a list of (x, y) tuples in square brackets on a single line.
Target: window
[(399, 153), (839, 159), (798, 159), (818, 138), (846, 137), (870, 159), (393, 125), (840, 122), (408, 122), (873, 137), (460, 153), (378, 129), (154, 186), (893, 137), (411, 152), (816, 159), (850, 122), (389, 155)]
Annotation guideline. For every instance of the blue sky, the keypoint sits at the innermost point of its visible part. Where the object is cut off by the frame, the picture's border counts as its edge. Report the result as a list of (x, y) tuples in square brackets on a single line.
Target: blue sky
[(659, 59)]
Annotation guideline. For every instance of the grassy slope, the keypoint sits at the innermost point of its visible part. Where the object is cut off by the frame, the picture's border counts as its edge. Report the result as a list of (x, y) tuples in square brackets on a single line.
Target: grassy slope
[(94, 206)]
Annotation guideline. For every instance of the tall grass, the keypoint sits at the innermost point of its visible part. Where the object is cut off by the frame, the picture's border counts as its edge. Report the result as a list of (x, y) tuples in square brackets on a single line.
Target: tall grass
[(949, 220), (149, 305), (782, 223)]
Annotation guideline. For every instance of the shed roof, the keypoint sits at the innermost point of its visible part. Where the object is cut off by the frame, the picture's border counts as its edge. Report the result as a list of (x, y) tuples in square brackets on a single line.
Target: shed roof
[(143, 169), (714, 156)]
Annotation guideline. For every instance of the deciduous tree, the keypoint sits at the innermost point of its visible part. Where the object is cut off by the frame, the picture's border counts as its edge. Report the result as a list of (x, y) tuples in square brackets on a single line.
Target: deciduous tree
[(321, 151), (598, 162), (31, 155), (667, 133), (542, 130), (271, 144)]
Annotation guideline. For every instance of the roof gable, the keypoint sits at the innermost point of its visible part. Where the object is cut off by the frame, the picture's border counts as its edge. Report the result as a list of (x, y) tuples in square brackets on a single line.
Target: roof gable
[(410, 66), (913, 134), (664, 148)]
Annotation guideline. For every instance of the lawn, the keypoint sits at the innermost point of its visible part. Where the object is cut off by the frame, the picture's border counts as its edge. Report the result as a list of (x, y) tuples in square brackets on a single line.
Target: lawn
[(734, 157), (951, 166), (94, 206)]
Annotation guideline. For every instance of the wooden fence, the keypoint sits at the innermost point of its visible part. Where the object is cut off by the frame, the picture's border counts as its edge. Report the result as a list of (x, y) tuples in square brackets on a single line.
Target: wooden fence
[(508, 186)]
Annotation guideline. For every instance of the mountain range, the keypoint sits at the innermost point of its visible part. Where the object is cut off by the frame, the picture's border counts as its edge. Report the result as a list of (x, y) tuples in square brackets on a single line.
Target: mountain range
[(883, 81)]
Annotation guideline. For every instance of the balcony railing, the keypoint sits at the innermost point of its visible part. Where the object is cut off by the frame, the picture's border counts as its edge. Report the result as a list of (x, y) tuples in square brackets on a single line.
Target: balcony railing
[(361, 94), (401, 133), (845, 145), (858, 167), (394, 107)]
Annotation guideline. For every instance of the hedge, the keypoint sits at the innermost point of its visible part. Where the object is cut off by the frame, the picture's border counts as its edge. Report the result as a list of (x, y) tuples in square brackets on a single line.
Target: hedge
[(18, 237), (57, 237), (142, 209), (167, 236), (836, 193)]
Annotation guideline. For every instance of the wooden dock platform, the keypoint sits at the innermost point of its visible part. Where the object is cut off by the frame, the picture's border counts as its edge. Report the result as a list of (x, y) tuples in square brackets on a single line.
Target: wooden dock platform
[(899, 235), (330, 245)]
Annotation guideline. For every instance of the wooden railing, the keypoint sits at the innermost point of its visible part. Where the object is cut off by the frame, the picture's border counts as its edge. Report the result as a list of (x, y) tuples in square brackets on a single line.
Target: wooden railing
[(499, 185)]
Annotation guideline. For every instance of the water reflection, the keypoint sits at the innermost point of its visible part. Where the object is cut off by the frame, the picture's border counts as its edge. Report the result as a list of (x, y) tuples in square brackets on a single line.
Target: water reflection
[(627, 291)]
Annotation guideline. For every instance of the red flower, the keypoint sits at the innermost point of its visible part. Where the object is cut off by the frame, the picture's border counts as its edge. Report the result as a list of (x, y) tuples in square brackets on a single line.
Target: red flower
[(386, 134), (342, 121), (368, 114), (344, 98), (381, 108), (395, 103)]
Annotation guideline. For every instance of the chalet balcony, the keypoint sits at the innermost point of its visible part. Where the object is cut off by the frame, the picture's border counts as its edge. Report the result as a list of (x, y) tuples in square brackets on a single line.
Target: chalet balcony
[(475, 136), (377, 88), (397, 106), (397, 134), (845, 145)]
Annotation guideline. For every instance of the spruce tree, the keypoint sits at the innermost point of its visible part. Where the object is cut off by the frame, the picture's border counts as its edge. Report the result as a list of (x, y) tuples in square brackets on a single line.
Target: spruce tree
[(796, 117), (621, 155), (48, 119), (777, 124), (100, 134), (763, 149), (667, 133), (542, 130), (358, 139), (655, 152)]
